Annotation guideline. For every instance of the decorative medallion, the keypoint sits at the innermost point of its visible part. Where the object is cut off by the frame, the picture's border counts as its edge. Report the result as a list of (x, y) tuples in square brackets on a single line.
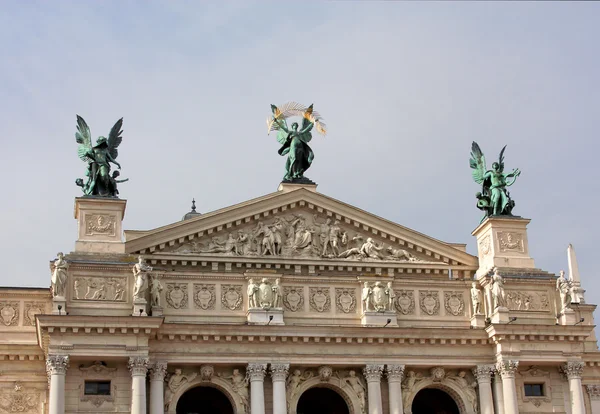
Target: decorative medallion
[(9, 313), (345, 299), (177, 296), (204, 296), (510, 242), (293, 298), (405, 303), (231, 296), (319, 299), (484, 245), (100, 224), (430, 302), (454, 303), (32, 309)]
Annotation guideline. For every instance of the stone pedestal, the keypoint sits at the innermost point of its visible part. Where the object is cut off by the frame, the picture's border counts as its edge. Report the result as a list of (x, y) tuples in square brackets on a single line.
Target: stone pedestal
[(99, 225), (502, 242), (500, 315), (59, 301), (373, 318), (139, 307), (263, 316), (567, 317), (287, 186), (478, 321), (156, 311)]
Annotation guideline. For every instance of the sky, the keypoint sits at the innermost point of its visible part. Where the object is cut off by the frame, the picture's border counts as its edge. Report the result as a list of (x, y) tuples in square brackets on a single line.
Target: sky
[(404, 87)]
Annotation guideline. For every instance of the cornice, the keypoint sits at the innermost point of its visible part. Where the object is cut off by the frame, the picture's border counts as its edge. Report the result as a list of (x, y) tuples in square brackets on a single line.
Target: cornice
[(526, 332)]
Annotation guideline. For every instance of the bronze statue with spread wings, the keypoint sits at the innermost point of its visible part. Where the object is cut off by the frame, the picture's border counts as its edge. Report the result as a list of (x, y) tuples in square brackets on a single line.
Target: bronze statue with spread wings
[(98, 157)]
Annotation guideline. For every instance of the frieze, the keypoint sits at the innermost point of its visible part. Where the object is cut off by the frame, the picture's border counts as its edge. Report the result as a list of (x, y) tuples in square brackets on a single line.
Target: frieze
[(204, 296), (509, 241), (345, 300), (111, 289), (293, 298), (9, 313), (231, 297), (102, 224), (430, 302), (319, 299), (19, 400), (454, 303), (177, 295), (527, 300), (32, 309), (405, 302)]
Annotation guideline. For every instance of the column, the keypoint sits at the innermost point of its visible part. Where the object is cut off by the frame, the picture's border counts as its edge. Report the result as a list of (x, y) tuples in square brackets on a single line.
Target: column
[(279, 373), (593, 391), (56, 366), (138, 367), (157, 388), (483, 373), (373, 375), (498, 394), (395, 374), (573, 370), (507, 370), (256, 372)]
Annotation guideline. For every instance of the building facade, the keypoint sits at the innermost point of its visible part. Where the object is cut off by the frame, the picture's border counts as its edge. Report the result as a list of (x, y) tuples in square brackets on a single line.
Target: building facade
[(296, 303)]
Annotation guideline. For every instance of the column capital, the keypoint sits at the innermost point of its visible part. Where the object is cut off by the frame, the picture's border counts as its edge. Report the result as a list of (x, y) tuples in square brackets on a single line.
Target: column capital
[(483, 373), (256, 371), (279, 371), (373, 372), (394, 372), (158, 370), (507, 368), (138, 365), (593, 391), (57, 364), (572, 369)]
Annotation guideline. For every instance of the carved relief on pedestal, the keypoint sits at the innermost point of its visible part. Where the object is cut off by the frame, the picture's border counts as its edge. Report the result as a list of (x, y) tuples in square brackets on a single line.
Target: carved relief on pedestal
[(177, 296), (485, 245), (454, 303), (204, 296), (293, 298), (19, 400), (110, 289), (231, 297), (510, 242), (32, 309), (319, 299), (103, 224), (517, 300), (430, 302), (405, 302), (9, 313), (345, 300)]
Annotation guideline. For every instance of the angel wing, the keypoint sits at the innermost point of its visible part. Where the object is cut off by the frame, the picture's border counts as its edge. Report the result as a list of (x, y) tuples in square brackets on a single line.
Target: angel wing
[(477, 163), (274, 126), (84, 139), (290, 109), (115, 138), (501, 160), (307, 120)]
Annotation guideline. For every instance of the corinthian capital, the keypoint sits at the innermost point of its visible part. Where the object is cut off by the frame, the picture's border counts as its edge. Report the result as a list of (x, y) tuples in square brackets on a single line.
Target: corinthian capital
[(483, 372), (394, 372), (138, 365), (256, 371), (158, 370), (507, 368), (57, 364), (279, 372), (572, 369), (593, 391), (373, 372)]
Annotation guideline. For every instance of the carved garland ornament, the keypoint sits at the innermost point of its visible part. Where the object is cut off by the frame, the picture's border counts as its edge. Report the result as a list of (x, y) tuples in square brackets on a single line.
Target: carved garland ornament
[(430, 302), (231, 296), (204, 296), (103, 224), (319, 299), (345, 300), (19, 401), (177, 296), (293, 298), (454, 303), (405, 302), (9, 313)]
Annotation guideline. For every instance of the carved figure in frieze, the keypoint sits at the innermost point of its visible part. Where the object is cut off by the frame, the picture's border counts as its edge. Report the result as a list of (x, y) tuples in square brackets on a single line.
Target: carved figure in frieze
[(353, 251), (498, 294), (391, 295), (302, 236), (278, 230), (366, 297), (267, 242), (371, 250), (466, 386), (239, 383), (175, 382), (243, 243), (155, 289), (59, 275), (400, 254), (357, 386), (323, 233), (119, 291), (252, 294), (476, 299), (277, 294), (228, 246), (100, 293), (266, 294), (408, 384), (564, 290), (294, 382), (77, 288), (140, 274)]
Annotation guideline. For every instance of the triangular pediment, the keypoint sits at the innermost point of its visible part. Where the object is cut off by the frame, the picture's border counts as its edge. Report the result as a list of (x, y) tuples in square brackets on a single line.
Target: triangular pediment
[(295, 225)]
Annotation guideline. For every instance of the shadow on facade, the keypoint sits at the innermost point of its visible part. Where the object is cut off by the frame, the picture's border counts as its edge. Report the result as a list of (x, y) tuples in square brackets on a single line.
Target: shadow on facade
[(433, 401), (204, 400), (321, 401)]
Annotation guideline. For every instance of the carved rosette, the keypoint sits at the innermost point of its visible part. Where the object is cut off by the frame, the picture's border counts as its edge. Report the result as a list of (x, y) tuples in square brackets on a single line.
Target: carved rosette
[(256, 371), (158, 370), (204, 296), (405, 302), (454, 303), (279, 372), (57, 364), (207, 372), (138, 365), (231, 297), (373, 372), (319, 299), (593, 391), (325, 373), (293, 298), (430, 302), (394, 372), (483, 373), (572, 369), (507, 368), (345, 300)]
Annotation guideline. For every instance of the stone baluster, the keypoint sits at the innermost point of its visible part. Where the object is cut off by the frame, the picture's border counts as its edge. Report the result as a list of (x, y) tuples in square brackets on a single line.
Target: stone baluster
[(256, 373), (139, 368), (56, 366), (158, 370), (507, 370), (483, 373), (395, 375), (498, 393), (373, 375), (279, 373), (573, 370), (593, 391)]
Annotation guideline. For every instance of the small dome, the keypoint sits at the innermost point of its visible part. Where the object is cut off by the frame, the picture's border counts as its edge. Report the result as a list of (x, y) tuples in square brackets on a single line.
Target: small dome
[(192, 213)]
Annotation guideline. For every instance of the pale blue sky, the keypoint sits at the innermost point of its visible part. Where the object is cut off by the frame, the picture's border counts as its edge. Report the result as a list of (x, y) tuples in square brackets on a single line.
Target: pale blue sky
[(405, 88)]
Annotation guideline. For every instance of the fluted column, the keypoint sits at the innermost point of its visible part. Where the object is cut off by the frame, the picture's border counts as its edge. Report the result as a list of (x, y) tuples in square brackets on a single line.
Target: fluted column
[(507, 370), (395, 374), (573, 371), (56, 366), (483, 373), (279, 373), (256, 373), (498, 393), (139, 368), (158, 370), (373, 375), (593, 391)]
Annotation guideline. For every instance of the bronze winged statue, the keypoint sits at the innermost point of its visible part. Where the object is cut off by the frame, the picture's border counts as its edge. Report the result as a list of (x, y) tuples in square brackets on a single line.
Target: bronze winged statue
[(99, 182)]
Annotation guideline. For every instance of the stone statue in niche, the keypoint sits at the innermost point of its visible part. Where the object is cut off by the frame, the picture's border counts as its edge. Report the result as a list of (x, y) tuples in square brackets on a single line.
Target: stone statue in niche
[(252, 294), (497, 290), (366, 297), (357, 385), (155, 289), (264, 295), (476, 299), (389, 291), (378, 297), (59, 276), (140, 274), (277, 294), (175, 382), (564, 290)]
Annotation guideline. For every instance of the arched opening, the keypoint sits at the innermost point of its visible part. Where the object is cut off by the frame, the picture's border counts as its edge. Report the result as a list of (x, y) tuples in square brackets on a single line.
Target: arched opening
[(319, 400), (434, 401), (204, 400)]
